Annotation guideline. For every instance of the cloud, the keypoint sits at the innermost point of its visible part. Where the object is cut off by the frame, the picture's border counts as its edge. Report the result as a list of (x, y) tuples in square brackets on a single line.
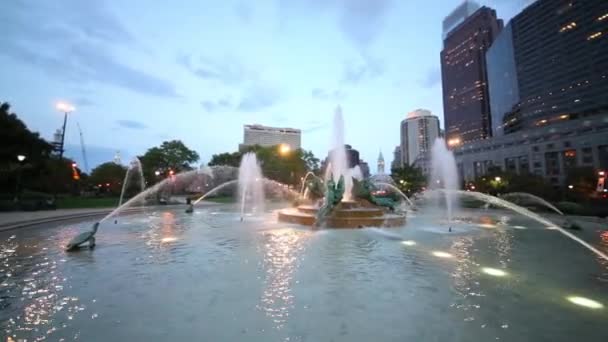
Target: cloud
[(131, 124), (216, 105), (359, 20), (368, 69), (83, 102), (243, 12), (72, 41), (226, 70), (327, 95), (432, 78), (258, 97)]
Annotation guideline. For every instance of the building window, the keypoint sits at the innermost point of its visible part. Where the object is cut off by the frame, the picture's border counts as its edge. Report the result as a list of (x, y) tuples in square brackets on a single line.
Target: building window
[(535, 149), (552, 163), (524, 164), (567, 144), (510, 165), (537, 165), (569, 159), (550, 146)]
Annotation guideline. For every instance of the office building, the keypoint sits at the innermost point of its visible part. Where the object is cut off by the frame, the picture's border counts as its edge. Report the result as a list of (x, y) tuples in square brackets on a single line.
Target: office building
[(396, 158), (418, 132), (549, 64), (270, 136), (466, 106), (548, 151), (352, 157)]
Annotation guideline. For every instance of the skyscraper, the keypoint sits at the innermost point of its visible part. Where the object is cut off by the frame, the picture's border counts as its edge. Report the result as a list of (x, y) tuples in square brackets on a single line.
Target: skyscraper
[(549, 70), (418, 132), (466, 104)]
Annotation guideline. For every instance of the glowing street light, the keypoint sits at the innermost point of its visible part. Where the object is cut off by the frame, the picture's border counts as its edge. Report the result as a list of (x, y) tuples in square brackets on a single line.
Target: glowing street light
[(498, 179), (570, 186), (20, 158), (157, 173), (284, 149)]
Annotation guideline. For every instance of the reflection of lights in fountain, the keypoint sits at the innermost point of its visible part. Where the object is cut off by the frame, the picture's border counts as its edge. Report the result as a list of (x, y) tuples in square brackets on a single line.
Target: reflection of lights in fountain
[(493, 272), (552, 227), (409, 242), (519, 227), (168, 239), (486, 225), (441, 254), (281, 250), (586, 302)]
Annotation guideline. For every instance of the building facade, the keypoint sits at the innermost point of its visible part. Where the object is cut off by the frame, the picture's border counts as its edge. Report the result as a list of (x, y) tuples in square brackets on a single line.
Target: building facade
[(550, 64), (270, 136), (466, 104), (380, 169), (548, 151), (396, 163), (418, 133)]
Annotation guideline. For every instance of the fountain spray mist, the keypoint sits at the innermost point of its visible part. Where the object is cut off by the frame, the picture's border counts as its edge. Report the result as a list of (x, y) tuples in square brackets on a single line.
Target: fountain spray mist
[(134, 171), (251, 186), (444, 173), (338, 162)]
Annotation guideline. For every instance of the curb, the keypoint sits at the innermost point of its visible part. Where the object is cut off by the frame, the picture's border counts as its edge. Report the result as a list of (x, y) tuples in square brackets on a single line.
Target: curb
[(21, 224)]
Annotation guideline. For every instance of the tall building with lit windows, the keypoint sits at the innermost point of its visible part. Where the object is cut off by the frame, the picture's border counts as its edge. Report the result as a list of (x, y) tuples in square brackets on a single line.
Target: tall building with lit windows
[(549, 64), (468, 33), (418, 133), (548, 86)]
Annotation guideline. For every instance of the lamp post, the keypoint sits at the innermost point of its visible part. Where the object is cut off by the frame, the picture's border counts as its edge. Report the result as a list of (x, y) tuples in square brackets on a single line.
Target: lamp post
[(65, 108), (20, 158)]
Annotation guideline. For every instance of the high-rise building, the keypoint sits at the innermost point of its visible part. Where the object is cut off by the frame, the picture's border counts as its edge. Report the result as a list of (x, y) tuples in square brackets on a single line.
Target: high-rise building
[(270, 136), (466, 106), (418, 132), (550, 64), (352, 157), (380, 169), (396, 158)]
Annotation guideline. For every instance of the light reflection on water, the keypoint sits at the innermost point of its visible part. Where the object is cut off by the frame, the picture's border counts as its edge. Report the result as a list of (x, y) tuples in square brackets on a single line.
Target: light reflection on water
[(211, 277), (282, 252)]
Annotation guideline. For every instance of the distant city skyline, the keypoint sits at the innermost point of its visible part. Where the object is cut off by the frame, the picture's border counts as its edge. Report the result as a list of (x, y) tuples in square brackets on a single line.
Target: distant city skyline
[(212, 67)]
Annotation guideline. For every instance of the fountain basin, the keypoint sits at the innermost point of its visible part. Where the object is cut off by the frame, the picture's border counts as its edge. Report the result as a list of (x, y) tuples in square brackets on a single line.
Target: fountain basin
[(347, 214)]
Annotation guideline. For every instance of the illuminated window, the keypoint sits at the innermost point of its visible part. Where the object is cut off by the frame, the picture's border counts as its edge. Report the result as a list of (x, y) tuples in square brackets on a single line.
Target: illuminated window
[(568, 27), (603, 17)]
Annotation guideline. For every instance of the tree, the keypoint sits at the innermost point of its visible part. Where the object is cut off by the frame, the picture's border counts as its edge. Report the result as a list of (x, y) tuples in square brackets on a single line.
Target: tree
[(16, 139), (583, 181), (312, 163), (227, 159), (409, 179), (497, 181), (108, 177), (169, 156)]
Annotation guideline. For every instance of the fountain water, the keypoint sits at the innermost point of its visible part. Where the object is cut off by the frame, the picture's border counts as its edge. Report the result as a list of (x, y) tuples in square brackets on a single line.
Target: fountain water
[(396, 189), (337, 157), (304, 188), (134, 171), (444, 173), (523, 211), (251, 189), (533, 198)]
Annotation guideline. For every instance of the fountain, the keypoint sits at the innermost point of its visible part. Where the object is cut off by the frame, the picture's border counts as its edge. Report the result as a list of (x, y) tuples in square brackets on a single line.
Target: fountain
[(250, 181), (349, 201), (134, 170), (444, 173)]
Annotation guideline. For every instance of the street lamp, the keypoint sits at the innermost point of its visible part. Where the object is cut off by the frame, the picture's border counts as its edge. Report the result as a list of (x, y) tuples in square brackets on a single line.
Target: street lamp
[(570, 186), (20, 158), (498, 179), (284, 149), (157, 173), (65, 108)]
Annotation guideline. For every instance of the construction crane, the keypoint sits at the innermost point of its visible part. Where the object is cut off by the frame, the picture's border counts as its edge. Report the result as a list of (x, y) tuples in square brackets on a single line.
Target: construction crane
[(84, 152)]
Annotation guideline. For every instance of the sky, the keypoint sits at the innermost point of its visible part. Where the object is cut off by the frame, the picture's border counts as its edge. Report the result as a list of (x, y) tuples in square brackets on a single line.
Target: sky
[(140, 72)]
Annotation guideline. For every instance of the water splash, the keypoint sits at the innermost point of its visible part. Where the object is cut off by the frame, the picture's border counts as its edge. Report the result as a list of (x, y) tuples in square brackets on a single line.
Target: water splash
[(523, 211), (396, 189), (532, 198), (337, 156), (444, 173), (303, 188), (251, 189), (135, 171)]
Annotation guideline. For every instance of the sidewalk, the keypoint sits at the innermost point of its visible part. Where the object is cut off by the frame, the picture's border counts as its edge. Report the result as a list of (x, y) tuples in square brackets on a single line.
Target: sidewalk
[(18, 219)]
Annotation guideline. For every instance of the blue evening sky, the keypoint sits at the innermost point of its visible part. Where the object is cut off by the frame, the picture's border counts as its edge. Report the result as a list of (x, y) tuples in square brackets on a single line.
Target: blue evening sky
[(140, 72)]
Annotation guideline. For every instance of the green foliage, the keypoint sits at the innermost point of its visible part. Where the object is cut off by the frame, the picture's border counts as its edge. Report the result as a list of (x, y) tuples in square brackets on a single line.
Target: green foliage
[(497, 181), (287, 168), (170, 155), (583, 181), (227, 159), (109, 173), (410, 180), (85, 202)]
